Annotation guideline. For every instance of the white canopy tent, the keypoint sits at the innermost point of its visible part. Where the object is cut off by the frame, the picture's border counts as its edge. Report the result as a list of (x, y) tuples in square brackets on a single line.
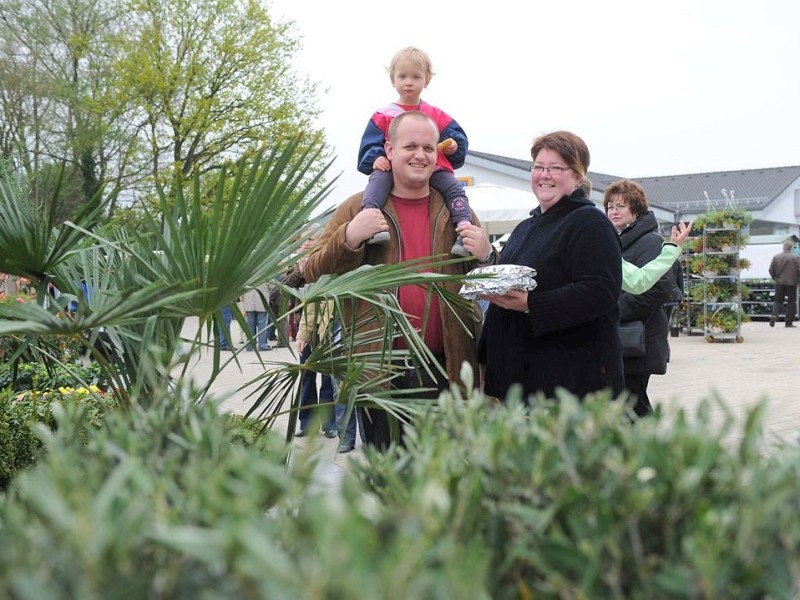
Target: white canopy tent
[(500, 208)]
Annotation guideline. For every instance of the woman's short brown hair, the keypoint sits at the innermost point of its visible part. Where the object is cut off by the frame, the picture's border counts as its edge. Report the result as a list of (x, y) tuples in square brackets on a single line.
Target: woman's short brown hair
[(628, 191)]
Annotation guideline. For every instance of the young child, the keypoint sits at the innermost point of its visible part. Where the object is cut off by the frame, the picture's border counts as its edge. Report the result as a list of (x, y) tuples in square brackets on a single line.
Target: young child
[(410, 72)]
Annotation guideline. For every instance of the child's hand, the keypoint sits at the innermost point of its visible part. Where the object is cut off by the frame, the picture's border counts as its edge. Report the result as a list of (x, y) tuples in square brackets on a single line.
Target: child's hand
[(382, 164), (448, 146)]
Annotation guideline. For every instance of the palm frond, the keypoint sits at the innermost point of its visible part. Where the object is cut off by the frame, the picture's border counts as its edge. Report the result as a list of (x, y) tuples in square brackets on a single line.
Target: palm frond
[(365, 376), (30, 243), (247, 237)]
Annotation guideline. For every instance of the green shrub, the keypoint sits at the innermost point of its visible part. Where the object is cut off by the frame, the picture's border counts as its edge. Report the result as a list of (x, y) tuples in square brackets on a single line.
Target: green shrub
[(572, 500), (163, 504), (19, 446), (20, 412), (37, 376), (562, 500)]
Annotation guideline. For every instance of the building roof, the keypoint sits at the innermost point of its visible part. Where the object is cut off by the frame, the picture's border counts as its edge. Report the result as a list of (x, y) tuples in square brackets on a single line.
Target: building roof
[(750, 189)]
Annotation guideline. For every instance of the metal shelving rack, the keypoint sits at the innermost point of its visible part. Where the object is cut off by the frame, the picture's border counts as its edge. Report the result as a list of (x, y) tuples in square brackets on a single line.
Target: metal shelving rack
[(689, 310), (728, 284)]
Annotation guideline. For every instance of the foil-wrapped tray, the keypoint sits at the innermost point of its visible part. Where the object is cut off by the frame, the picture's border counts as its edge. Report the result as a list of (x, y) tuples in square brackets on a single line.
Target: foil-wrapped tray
[(504, 278)]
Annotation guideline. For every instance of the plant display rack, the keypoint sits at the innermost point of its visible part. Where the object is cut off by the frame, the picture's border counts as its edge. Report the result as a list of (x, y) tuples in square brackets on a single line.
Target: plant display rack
[(722, 286), (690, 310)]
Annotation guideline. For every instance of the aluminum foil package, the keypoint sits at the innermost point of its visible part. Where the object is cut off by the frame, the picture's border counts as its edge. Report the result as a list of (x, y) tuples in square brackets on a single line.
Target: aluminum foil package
[(505, 278)]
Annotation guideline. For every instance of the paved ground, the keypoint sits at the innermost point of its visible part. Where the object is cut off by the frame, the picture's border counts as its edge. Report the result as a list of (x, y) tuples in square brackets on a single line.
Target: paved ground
[(765, 365)]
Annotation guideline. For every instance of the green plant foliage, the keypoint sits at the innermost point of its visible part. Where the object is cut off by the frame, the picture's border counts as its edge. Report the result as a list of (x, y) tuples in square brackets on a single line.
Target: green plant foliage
[(734, 218), (37, 376), (21, 412), (561, 500), (19, 446), (722, 319), (138, 285), (573, 501), (725, 240)]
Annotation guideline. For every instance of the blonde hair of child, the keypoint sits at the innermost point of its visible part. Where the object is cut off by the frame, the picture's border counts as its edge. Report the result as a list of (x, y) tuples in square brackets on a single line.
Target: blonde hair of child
[(418, 58)]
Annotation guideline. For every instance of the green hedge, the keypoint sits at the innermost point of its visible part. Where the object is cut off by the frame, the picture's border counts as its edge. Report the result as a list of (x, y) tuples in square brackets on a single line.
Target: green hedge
[(565, 500), (21, 412), (37, 376), (571, 500), (19, 446)]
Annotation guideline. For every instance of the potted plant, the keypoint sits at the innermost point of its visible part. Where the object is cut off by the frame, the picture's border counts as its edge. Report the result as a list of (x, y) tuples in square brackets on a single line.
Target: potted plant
[(723, 240), (724, 219), (722, 320), (739, 266), (735, 218), (712, 266)]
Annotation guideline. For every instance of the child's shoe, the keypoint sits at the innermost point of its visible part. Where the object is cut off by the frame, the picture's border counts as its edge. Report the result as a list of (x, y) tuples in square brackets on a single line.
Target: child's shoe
[(379, 238), (458, 248)]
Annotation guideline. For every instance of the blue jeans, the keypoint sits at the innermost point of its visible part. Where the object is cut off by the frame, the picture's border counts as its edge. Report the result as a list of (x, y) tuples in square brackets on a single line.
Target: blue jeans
[(309, 398), (227, 317), (347, 431), (257, 323)]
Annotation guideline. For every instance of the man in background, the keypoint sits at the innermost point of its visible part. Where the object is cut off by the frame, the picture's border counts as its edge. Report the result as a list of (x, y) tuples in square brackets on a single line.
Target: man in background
[(785, 270)]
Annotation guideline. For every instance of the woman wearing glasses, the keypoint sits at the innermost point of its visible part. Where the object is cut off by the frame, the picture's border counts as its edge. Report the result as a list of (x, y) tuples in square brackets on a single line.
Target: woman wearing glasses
[(565, 333), (630, 214)]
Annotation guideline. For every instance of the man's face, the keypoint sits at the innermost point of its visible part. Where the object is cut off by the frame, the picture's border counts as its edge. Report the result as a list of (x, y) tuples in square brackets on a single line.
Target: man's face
[(413, 153)]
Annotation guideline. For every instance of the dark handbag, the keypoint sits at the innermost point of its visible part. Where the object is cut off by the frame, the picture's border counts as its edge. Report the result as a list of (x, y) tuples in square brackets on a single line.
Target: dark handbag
[(633, 339)]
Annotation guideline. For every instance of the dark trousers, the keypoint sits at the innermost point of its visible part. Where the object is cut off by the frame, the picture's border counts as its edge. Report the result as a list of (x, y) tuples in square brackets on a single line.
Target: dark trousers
[(223, 335), (789, 293), (637, 386), (378, 424), (309, 399)]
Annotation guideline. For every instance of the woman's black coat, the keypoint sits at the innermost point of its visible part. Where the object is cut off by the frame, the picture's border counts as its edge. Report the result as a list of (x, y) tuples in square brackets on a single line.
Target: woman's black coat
[(570, 336), (641, 243)]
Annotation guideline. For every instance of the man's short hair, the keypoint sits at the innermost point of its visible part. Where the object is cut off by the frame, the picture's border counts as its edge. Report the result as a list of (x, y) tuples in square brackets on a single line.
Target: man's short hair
[(409, 114)]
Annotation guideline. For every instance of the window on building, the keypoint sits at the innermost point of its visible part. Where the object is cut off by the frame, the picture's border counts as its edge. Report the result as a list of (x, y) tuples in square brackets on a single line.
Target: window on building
[(797, 204)]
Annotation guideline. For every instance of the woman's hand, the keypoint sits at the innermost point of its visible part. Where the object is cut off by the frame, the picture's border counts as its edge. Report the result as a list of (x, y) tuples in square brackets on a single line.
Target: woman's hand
[(513, 300), (680, 233)]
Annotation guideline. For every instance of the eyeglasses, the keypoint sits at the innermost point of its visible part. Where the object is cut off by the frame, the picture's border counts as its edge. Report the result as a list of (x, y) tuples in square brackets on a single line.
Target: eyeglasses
[(617, 206), (540, 169)]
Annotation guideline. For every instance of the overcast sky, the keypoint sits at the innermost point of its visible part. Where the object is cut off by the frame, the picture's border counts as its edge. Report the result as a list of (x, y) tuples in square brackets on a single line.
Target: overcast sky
[(665, 88)]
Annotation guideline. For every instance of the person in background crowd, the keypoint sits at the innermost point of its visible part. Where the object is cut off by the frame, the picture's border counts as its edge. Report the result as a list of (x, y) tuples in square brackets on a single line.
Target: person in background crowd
[(638, 280), (348, 423), (224, 335), (564, 333), (313, 325), (784, 268), (629, 212), (254, 304)]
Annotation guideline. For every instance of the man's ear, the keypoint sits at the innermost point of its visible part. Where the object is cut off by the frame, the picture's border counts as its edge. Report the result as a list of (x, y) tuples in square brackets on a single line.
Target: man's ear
[(387, 147)]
